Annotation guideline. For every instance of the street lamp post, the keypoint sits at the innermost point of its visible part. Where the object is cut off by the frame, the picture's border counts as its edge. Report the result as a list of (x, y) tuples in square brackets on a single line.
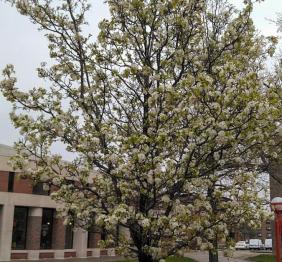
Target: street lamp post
[(276, 204)]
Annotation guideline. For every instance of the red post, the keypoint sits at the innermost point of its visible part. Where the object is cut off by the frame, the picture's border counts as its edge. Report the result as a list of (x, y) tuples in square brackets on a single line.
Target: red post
[(277, 237), (276, 204)]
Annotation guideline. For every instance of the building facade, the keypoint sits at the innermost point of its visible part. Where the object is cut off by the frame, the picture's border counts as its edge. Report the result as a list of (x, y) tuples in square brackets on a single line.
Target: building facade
[(245, 233), (30, 227)]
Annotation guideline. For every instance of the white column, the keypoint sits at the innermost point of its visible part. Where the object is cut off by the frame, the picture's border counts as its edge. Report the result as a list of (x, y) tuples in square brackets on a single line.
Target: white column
[(124, 232), (80, 242), (35, 212), (59, 254), (6, 231)]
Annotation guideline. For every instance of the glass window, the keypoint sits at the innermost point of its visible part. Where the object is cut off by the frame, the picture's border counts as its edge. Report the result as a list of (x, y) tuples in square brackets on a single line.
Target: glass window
[(11, 181), (89, 236), (19, 228), (103, 233), (46, 228), (69, 236), (117, 235), (89, 239), (38, 189)]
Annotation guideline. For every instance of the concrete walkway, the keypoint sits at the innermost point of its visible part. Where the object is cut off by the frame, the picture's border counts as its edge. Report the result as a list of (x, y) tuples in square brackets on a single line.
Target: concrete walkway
[(200, 256), (92, 259), (239, 256)]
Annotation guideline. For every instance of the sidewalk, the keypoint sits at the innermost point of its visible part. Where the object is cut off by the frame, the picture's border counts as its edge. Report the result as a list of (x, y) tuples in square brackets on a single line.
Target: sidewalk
[(89, 259), (202, 256)]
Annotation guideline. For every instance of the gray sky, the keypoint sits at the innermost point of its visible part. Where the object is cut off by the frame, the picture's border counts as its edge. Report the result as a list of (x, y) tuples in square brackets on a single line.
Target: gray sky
[(24, 47)]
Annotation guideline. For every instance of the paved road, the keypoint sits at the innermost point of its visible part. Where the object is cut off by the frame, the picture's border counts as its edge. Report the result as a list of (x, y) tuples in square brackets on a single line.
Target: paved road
[(239, 256)]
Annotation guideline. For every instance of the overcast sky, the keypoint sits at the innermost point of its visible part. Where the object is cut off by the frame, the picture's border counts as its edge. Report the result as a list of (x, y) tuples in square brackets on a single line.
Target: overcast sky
[(22, 45)]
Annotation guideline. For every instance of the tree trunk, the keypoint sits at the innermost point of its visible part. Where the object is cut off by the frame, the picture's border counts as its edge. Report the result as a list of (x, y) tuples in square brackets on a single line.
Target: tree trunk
[(142, 257), (213, 256)]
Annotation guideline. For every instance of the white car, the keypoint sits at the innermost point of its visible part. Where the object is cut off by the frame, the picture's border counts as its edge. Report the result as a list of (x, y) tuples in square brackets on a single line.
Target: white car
[(255, 244), (241, 245), (268, 243)]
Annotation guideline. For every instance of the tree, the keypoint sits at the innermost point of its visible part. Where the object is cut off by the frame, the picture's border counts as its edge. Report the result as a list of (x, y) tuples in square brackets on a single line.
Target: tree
[(166, 114)]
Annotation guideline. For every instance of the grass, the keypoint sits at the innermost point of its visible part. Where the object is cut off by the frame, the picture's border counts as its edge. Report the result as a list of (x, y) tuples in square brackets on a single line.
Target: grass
[(169, 259), (263, 258)]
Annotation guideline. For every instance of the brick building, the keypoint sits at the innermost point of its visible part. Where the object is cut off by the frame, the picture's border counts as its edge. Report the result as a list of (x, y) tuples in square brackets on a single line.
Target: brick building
[(267, 227), (29, 225), (246, 233)]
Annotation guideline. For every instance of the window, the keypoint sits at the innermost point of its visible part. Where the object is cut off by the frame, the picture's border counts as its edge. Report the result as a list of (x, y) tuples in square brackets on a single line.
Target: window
[(92, 241), (103, 233), (11, 181), (19, 228), (89, 236), (232, 235), (38, 189), (69, 236), (46, 228), (117, 235)]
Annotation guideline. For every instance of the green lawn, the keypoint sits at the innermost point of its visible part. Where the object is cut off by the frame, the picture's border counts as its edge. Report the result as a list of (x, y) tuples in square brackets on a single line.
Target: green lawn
[(170, 259), (263, 258)]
